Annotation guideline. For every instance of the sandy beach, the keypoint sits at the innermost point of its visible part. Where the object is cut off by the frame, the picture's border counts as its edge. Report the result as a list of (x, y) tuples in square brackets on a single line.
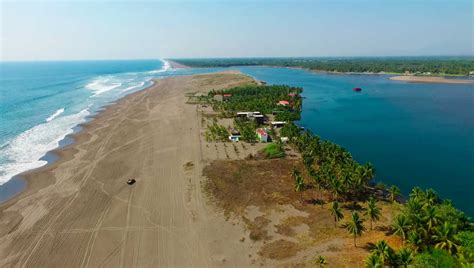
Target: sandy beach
[(430, 79), (79, 211), (176, 65)]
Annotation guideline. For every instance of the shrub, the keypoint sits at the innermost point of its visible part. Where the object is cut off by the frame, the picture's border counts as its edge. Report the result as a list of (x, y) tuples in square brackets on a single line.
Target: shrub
[(274, 150)]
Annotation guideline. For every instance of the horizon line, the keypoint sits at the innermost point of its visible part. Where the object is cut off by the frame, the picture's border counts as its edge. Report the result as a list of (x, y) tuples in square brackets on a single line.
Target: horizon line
[(241, 57)]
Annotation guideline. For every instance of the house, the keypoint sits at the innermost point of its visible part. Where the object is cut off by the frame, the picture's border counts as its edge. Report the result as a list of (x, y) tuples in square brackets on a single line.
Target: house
[(284, 139), (277, 124), (262, 135), (292, 95), (257, 116), (283, 103), (234, 138), (226, 96)]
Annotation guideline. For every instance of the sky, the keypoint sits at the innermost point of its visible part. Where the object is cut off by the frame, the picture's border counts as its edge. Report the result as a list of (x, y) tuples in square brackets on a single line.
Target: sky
[(60, 30)]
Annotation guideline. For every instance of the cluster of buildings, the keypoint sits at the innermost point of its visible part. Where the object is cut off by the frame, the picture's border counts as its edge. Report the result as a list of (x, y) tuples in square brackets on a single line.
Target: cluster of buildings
[(258, 117)]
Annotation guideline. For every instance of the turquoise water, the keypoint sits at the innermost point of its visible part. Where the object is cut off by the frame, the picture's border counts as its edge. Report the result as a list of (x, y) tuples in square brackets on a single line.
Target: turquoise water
[(415, 134)]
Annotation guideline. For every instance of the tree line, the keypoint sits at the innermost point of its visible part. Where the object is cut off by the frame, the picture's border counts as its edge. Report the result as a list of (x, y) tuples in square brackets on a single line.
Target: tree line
[(433, 65)]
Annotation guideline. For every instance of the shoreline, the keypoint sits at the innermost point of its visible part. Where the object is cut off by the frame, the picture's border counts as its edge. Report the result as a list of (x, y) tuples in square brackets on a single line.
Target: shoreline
[(19, 183), (430, 79), (176, 65), (151, 135), (436, 79)]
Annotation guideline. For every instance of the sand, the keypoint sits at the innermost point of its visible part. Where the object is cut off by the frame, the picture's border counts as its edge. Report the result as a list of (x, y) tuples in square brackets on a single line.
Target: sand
[(430, 79), (79, 211), (176, 65)]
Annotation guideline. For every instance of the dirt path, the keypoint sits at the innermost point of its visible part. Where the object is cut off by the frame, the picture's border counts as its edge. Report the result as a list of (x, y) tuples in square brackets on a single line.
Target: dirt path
[(79, 212)]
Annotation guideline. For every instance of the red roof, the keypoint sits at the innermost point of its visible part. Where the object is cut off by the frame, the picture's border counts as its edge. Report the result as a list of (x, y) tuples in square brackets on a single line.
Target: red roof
[(227, 95), (284, 102), (292, 94)]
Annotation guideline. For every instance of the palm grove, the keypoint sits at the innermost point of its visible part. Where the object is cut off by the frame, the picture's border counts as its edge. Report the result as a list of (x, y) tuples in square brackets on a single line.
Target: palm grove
[(433, 231)]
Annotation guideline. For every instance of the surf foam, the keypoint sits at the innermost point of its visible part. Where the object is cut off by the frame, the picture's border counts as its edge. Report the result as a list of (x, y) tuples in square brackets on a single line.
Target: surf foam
[(56, 114), (25, 150), (103, 84)]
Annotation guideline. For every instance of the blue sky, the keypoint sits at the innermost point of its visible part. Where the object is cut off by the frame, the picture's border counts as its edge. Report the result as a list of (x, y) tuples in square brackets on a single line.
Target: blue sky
[(153, 29)]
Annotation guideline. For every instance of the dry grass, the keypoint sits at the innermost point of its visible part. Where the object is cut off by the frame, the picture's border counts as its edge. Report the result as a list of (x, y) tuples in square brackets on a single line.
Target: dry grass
[(267, 184), (280, 249)]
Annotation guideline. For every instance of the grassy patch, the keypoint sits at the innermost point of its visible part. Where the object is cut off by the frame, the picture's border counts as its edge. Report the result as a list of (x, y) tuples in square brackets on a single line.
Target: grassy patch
[(280, 249), (274, 150)]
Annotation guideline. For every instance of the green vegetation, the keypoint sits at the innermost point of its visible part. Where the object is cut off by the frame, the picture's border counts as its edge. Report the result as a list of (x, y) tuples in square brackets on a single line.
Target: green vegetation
[(274, 150), (336, 212), (216, 132), (433, 65), (373, 212), (263, 99), (247, 129), (322, 261), (355, 226), (382, 255), (432, 230), (434, 259)]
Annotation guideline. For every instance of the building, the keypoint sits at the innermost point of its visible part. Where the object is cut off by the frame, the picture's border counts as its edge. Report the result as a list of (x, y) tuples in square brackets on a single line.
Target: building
[(218, 97), (283, 103), (262, 135), (256, 116), (226, 96), (277, 124), (234, 138)]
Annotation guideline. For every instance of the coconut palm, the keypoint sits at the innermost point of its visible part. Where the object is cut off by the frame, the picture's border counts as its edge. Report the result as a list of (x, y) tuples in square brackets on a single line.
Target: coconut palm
[(322, 261), (405, 257), (383, 250), (373, 261), (394, 192), (444, 237), (355, 226), (431, 197), (336, 187), (417, 193), (336, 212), (415, 241), (431, 218), (373, 212), (401, 226)]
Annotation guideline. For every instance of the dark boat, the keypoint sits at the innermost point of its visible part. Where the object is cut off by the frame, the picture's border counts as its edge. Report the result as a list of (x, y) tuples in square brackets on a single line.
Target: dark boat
[(357, 89)]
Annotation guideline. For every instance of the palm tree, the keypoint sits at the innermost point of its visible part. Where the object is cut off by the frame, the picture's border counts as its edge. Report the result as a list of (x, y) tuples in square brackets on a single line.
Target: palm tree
[(322, 261), (415, 241), (417, 193), (431, 197), (355, 226), (444, 237), (431, 217), (373, 212), (383, 250), (299, 183), (336, 212), (405, 257), (401, 226), (394, 192), (336, 187), (373, 261)]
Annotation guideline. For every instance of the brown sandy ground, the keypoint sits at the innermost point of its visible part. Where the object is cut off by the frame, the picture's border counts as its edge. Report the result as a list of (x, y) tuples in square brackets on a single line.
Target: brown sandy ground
[(79, 212), (288, 229), (430, 79), (176, 65)]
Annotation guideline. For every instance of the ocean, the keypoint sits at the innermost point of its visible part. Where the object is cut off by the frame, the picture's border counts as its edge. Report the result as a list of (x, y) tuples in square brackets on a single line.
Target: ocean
[(414, 134)]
